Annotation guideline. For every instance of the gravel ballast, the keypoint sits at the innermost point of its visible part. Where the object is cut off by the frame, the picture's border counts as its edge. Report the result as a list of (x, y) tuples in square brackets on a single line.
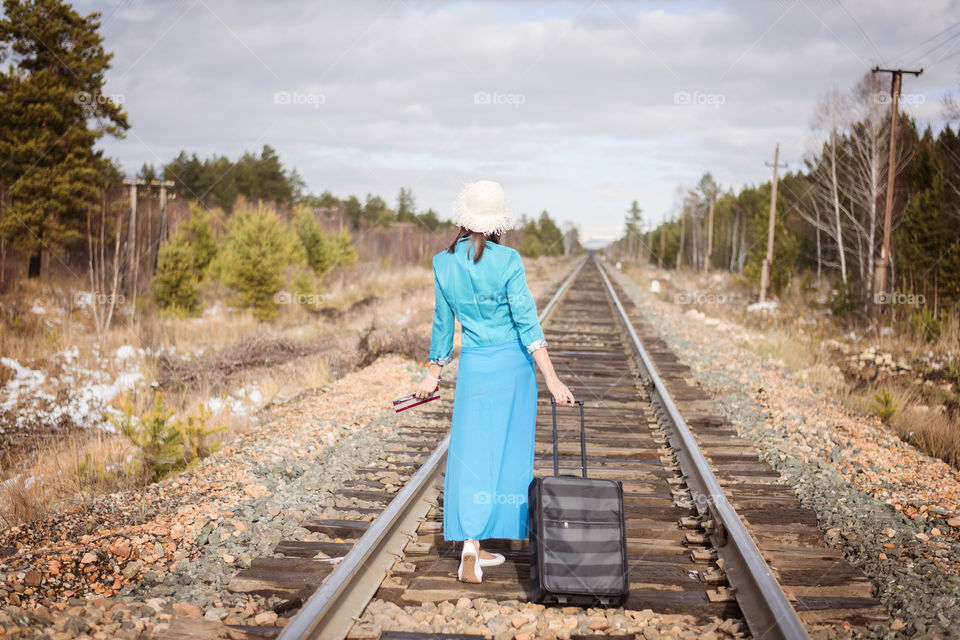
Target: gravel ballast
[(818, 446)]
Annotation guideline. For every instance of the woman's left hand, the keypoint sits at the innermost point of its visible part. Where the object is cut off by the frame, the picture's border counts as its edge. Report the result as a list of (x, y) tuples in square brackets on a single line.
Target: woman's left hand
[(426, 388)]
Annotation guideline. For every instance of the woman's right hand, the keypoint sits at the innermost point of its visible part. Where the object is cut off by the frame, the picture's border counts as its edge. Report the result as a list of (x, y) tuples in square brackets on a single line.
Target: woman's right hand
[(427, 386), (561, 394)]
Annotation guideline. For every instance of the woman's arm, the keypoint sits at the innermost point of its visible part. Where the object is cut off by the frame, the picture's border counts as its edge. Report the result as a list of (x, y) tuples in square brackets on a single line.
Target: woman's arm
[(430, 381), (441, 340), (561, 394)]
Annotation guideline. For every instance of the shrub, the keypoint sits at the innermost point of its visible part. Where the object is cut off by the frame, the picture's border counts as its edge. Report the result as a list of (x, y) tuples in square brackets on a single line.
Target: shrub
[(884, 405), (925, 324), (320, 252), (201, 238), (255, 253), (164, 446), (344, 251), (195, 437), (158, 442), (175, 284), (323, 251), (842, 300)]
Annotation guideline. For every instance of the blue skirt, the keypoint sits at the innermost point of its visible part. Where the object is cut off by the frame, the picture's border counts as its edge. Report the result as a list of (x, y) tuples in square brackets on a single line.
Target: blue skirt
[(490, 460)]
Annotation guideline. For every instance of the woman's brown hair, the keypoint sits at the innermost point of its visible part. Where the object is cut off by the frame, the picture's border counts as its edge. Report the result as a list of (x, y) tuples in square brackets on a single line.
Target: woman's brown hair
[(477, 239)]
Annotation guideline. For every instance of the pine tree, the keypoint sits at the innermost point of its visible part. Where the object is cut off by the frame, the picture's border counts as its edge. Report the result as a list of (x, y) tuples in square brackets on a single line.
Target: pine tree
[(406, 206), (632, 226), (175, 284), (344, 251), (320, 252), (202, 240), (254, 255), (50, 95), (551, 238)]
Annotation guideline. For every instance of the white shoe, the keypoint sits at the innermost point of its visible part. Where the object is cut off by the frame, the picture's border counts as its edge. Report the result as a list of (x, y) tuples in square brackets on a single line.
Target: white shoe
[(469, 569), (491, 562)]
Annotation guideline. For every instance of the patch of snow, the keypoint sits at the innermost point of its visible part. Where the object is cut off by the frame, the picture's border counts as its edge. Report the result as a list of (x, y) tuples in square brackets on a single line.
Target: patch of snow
[(654, 286), (69, 355), (767, 305), (37, 308), (26, 397), (125, 352)]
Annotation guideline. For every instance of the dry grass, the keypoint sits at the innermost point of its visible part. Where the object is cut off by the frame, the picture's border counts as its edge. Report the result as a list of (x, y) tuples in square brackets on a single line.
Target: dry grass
[(929, 428), (927, 416), (76, 468)]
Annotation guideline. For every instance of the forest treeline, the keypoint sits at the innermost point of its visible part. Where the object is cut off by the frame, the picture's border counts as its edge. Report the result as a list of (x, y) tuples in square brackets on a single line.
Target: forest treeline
[(829, 222), (67, 210)]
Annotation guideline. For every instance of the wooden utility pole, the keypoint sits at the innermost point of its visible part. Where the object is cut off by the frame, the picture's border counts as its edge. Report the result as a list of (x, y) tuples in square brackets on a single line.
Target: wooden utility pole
[(683, 226), (768, 261), (706, 262), (132, 241), (133, 257), (883, 263), (663, 231)]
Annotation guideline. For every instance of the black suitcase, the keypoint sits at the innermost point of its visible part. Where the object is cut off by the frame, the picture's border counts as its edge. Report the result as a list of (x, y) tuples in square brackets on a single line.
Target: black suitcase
[(578, 541)]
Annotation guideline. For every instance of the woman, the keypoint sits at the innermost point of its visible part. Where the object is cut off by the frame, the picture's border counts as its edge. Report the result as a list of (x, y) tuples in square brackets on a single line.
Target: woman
[(490, 460)]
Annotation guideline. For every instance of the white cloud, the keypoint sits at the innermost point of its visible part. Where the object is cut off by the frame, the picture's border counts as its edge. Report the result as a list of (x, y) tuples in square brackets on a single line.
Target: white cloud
[(582, 115)]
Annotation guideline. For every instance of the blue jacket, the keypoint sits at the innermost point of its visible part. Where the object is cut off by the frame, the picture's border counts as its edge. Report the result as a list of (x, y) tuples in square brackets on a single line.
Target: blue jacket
[(490, 298)]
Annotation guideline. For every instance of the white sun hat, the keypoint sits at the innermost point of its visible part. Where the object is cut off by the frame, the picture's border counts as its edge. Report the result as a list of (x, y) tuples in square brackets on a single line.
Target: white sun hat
[(480, 206)]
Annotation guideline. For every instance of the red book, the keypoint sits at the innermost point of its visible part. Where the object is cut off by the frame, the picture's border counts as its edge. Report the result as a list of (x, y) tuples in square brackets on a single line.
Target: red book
[(406, 402)]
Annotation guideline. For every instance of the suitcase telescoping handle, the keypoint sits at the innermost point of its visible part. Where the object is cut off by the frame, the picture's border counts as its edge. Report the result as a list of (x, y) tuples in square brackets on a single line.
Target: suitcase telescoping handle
[(583, 440)]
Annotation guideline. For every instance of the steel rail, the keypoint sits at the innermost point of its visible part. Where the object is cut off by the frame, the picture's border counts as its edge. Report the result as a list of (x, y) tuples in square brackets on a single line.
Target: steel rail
[(329, 613), (762, 601)]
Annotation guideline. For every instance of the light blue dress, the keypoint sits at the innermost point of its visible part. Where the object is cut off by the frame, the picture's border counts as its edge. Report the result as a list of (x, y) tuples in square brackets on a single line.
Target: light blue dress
[(490, 460)]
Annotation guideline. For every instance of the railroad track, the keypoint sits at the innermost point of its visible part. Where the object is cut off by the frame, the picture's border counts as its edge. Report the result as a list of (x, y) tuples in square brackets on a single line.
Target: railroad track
[(711, 531)]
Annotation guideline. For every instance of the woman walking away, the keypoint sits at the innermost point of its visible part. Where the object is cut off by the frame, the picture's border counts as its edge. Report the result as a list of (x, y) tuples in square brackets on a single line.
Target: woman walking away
[(482, 284)]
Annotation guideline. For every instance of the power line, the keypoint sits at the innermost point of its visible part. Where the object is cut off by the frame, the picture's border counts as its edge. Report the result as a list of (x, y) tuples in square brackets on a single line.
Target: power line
[(937, 46), (863, 33), (946, 57), (930, 39)]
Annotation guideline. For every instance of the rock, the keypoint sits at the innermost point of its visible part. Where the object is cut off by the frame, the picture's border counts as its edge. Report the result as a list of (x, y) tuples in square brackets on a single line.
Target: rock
[(598, 623), (889, 532), (922, 536), (216, 613), (76, 626), (897, 624), (88, 558), (131, 569), (464, 603), (32, 579), (954, 522), (187, 610), (266, 618)]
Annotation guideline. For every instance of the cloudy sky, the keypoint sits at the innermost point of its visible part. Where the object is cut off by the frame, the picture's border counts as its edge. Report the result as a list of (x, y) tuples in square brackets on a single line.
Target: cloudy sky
[(575, 107)]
